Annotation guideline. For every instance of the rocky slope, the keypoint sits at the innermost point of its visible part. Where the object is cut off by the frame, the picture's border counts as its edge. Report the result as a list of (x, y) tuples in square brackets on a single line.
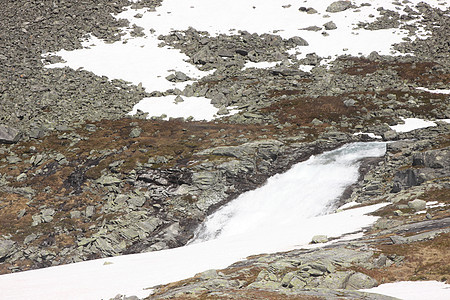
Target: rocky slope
[(79, 180)]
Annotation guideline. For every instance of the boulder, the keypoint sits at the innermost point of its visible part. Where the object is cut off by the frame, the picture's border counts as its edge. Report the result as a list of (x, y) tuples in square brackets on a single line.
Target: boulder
[(330, 25), (338, 6), (135, 132), (317, 239), (359, 281), (9, 135), (417, 204), (298, 41)]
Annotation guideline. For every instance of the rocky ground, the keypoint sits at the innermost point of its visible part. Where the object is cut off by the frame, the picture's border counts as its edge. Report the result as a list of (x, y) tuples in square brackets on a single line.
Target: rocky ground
[(79, 180)]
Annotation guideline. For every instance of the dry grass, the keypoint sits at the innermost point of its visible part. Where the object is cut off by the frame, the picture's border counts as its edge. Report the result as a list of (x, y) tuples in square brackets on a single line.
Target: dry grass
[(421, 73), (428, 260)]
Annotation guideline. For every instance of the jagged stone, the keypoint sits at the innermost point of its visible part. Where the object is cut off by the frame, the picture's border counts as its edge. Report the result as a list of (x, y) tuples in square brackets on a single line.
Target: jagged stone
[(7, 247), (9, 135)]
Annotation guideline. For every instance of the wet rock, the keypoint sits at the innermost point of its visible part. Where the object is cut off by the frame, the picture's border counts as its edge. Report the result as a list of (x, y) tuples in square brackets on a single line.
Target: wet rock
[(9, 135)]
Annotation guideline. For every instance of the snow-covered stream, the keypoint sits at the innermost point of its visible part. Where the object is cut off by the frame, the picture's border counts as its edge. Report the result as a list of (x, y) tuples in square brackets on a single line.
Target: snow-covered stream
[(289, 200), (283, 214)]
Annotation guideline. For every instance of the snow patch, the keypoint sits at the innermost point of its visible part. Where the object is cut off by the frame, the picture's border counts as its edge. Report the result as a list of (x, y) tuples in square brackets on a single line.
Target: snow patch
[(440, 91), (199, 108), (413, 290), (412, 124), (370, 134)]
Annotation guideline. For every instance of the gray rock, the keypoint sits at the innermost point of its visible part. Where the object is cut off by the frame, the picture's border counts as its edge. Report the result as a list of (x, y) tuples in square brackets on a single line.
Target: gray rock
[(13, 159), (37, 160), (299, 41), (390, 135), (30, 238), (284, 71), (417, 204), (312, 28), (396, 239), (48, 212), (317, 239), (7, 248), (349, 102), (204, 180), (338, 6), (75, 214), (204, 56), (330, 25), (108, 180), (21, 177), (91, 127), (360, 281), (178, 77), (21, 213), (316, 122), (9, 135), (90, 211), (136, 201), (178, 99), (135, 132), (223, 111)]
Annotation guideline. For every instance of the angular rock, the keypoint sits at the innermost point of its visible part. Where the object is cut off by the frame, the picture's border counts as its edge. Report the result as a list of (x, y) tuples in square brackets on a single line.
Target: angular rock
[(330, 25), (136, 201), (7, 248), (90, 211), (338, 6), (9, 135), (135, 132), (178, 99), (299, 41), (75, 214), (108, 180)]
